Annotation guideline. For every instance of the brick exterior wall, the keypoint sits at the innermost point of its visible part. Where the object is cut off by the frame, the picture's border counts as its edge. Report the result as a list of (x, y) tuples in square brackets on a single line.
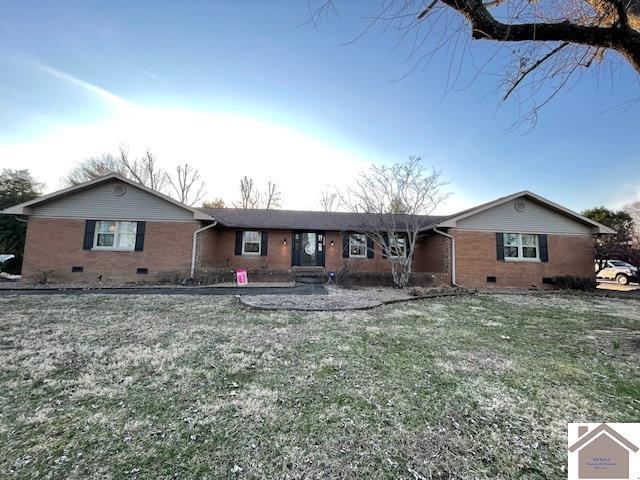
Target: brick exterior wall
[(53, 246), (217, 252), (476, 259)]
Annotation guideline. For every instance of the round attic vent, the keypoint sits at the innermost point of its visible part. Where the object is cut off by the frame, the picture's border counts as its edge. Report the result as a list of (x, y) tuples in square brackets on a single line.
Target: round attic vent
[(520, 205), (119, 190)]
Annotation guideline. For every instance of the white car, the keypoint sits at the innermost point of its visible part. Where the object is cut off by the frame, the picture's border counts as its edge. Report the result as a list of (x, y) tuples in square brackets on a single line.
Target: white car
[(621, 272)]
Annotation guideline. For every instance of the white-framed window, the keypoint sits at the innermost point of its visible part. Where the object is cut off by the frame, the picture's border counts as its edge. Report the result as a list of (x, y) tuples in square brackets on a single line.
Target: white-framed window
[(397, 246), (113, 235), (251, 243), (357, 245), (521, 247)]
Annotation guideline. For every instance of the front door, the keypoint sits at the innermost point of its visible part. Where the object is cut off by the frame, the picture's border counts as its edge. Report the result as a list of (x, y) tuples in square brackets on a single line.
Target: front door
[(308, 249)]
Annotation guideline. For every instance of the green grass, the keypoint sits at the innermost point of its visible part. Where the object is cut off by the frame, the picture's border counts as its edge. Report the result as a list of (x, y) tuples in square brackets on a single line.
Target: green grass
[(197, 387)]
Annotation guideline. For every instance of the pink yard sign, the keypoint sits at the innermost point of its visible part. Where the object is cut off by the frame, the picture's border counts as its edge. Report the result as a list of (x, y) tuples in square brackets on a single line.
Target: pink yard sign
[(241, 276)]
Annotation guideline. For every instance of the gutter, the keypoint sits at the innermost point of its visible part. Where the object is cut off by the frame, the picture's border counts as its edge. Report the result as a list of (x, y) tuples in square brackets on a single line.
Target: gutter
[(453, 255), (195, 245)]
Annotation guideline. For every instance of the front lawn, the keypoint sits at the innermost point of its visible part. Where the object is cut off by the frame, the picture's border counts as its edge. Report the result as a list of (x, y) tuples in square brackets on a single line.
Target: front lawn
[(199, 387)]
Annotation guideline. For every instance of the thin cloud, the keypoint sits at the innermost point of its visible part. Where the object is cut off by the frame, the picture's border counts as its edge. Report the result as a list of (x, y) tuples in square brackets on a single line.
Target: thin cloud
[(35, 63)]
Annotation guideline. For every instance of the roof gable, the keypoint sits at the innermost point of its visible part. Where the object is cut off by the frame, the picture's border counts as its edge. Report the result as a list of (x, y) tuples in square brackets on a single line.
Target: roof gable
[(65, 202), (559, 219)]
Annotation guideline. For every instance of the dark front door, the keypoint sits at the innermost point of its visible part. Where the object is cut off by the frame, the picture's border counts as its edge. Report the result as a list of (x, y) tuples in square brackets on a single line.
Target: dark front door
[(308, 249)]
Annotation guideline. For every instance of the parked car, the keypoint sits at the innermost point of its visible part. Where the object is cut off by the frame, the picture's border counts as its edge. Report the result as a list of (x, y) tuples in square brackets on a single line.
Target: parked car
[(4, 258), (621, 272)]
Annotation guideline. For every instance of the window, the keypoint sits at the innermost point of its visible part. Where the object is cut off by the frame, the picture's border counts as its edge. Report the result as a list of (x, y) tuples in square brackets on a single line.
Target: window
[(251, 243), (357, 245), (397, 246), (111, 235), (521, 246)]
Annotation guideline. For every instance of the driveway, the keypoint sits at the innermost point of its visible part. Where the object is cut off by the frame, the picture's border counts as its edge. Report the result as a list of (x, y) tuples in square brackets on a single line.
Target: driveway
[(300, 289), (616, 287)]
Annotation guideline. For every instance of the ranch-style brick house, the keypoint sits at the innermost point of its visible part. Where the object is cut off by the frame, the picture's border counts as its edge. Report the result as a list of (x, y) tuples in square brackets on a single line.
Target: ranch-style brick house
[(114, 230)]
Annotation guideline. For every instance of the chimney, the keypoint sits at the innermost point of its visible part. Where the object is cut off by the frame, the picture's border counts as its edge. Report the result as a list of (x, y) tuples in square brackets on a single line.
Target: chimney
[(582, 429)]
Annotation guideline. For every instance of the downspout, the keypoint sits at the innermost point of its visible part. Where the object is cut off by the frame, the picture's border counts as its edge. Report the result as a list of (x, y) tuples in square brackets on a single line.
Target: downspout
[(195, 245), (453, 255)]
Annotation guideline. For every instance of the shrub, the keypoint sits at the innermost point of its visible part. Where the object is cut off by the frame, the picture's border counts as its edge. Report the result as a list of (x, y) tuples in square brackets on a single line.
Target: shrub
[(569, 282)]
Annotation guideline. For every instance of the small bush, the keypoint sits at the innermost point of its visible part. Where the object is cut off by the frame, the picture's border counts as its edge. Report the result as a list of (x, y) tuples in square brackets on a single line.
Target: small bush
[(569, 282)]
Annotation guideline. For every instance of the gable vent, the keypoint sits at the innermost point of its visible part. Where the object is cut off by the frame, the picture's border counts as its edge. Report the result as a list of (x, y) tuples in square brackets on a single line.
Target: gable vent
[(520, 205), (119, 190)]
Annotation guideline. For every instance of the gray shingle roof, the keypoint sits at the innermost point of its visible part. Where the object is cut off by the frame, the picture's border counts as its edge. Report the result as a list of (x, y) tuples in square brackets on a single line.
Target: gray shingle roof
[(308, 220)]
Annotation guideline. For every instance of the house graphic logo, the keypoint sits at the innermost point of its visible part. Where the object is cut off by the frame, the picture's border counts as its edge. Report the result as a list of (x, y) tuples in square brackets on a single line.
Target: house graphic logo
[(604, 451)]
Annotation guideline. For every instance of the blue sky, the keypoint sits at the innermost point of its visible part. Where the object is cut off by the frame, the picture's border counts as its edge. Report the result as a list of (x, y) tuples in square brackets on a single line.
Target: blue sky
[(244, 88)]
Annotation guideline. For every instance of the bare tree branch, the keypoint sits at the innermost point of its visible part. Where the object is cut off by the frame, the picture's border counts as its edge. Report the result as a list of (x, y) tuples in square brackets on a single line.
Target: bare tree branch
[(187, 184), (550, 41), (329, 200), (394, 203), (251, 197)]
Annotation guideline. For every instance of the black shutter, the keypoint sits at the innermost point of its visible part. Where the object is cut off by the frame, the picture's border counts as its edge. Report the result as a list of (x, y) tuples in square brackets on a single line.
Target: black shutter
[(544, 250), (500, 246), (89, 233), (369, 247), (140, 237), (239, 242), (407, 246), (345, 245), (385, 247), (264, 238)]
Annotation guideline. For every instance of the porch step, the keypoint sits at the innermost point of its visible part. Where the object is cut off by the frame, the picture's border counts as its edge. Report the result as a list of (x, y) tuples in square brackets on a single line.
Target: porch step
[(310, 277)]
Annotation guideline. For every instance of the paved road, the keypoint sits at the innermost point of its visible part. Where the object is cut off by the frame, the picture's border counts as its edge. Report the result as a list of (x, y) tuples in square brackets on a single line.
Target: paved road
[(301, 289)]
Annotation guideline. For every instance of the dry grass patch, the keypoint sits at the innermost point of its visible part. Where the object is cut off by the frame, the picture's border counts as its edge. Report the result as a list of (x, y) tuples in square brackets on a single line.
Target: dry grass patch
[(199, 387)]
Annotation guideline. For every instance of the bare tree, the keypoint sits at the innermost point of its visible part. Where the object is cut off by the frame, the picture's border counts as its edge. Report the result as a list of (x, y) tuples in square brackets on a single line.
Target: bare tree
[(272, 196), (187, 184), (249, 195), (376, 195), (92, 168), (217, 202), (252, 197), (329, 200), (547, 43), (633, 209), (144, 170)]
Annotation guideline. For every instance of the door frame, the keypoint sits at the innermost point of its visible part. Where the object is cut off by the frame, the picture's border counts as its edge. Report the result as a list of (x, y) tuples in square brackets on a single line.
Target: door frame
[(296, 247)]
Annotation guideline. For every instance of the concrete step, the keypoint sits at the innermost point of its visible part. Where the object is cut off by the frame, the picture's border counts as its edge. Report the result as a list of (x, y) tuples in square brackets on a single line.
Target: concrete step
[(310, 278)]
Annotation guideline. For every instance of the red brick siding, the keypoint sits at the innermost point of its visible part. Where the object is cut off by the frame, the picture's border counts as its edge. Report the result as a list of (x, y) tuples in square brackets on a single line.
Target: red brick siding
[(217, 250), (55, 245), (476, 259), (219, 247)]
